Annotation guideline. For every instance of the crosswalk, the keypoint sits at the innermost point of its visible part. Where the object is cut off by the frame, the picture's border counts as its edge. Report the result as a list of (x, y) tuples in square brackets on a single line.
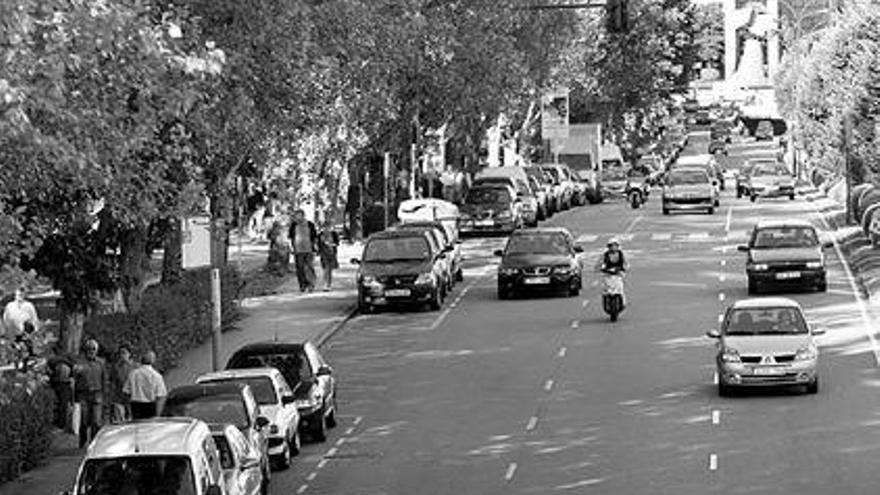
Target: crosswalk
[(697, 236)]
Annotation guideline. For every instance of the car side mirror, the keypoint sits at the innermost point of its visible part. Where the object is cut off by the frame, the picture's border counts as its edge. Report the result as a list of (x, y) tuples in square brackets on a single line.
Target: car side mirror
[(355, 261), (213, 490), (324, 371), (578, 249), (287, 399), (262, 422), (713, 333), (742, 248), (498, 252)]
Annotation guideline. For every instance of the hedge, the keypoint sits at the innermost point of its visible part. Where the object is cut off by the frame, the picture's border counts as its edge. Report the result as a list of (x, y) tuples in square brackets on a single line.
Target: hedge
[(173, 318), (27, 408)]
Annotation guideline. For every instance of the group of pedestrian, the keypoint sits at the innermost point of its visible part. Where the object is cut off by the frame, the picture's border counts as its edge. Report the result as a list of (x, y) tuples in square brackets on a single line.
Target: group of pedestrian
[(304, 241), (89, 391), (19, 326)]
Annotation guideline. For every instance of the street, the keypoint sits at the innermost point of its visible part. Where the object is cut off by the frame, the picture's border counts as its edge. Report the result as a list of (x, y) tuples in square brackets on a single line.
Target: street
[(543, 394)]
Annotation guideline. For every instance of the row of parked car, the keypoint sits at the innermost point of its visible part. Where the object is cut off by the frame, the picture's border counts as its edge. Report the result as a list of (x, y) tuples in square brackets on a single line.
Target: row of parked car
[(222, 435)]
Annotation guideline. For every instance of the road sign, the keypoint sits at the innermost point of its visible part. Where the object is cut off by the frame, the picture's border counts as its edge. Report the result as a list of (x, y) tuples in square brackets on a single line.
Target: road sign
[(554, 114), (196, 242)]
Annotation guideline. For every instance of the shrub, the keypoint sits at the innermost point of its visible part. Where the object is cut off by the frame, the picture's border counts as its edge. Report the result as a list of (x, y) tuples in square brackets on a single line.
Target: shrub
[(27, 408)]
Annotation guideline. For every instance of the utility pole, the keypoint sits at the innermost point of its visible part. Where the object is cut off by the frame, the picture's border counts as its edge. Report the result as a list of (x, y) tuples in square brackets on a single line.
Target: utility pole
[(847, 168), (386, 172)]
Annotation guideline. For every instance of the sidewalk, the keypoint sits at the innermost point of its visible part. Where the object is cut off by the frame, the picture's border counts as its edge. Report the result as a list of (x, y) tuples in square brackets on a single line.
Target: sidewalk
[(286, 316)]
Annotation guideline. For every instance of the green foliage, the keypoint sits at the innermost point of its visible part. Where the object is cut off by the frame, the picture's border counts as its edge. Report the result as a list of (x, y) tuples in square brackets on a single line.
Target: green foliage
[(27, 408)]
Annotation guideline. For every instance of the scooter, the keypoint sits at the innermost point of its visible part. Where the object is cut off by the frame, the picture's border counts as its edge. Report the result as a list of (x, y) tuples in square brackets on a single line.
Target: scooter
[(637, 193), (636, 198), (612, 293)]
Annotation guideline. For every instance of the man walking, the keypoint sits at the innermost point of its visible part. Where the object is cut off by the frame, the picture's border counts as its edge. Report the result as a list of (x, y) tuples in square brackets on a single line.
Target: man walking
[(145, 389), (304, 238), (91, 386)]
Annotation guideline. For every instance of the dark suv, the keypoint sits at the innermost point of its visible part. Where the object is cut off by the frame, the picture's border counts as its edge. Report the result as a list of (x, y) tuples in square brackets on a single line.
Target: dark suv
[(398, 267), (785, 253)]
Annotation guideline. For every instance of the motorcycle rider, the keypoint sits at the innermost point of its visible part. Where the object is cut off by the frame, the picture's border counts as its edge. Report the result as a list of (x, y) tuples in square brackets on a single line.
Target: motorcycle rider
[(613, 262)]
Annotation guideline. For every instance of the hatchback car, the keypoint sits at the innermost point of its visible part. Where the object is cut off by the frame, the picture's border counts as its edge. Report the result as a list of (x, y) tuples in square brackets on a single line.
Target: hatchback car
[(490, 209), (784, 253), (276, 402), (306, 372), (707, 163), (766, 342), (450, 245), (539, 259), (240, 464), (400, 267), (771, 180), (689, 189)]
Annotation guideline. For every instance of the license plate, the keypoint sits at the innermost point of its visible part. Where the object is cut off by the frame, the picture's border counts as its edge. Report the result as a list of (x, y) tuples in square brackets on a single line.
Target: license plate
[(788, 275), (768, 371), (397, 293), (537, 280), (485, 223)]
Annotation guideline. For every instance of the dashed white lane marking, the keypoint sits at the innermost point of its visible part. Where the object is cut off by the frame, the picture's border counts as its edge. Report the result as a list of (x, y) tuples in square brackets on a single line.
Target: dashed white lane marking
[(722, 277), (562, 352), (626, 237), (729, 218), (358, 420), (311, 476), (661, 236), (721, 296), (585, 303), (340, 442), (713, 462), (533, 422), (575, 324), (715, 378), (716, 417), (511, 470), (698, 236), (331, 452), (302, 488), (548, 385), (349, 431), (321, 464), (595, 283), (723, 262), (587, 238), (440, 318)]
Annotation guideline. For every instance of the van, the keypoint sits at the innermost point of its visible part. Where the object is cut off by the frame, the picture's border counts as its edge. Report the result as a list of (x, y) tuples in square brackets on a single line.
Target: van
[(168, 455)]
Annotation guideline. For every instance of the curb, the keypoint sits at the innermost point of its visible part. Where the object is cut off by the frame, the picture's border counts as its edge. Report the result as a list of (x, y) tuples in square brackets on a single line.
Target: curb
[(333, 328)]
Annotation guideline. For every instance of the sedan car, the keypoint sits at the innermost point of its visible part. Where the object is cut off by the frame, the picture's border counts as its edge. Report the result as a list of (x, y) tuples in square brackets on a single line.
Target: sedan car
[(239, 463), (771, 180), (766, 342), (784, 252), (306, 372), (544, 258), (275, 399), (450, 245)]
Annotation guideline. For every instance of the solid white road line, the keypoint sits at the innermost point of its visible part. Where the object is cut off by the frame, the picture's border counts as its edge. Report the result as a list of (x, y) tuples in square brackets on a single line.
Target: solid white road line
[(511, 470), (548, 386), (729, 218), (661, 236), (716, 417), (533, 422), (713, 462), (562, 352)]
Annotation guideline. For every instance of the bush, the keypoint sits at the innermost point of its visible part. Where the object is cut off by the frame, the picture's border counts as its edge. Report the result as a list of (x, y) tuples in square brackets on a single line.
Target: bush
[(173, 318), (27, 408)]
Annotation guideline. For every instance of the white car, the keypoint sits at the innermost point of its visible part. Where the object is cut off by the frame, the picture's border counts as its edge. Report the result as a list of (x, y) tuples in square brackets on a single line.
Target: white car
[(240, 464), (277, 404)]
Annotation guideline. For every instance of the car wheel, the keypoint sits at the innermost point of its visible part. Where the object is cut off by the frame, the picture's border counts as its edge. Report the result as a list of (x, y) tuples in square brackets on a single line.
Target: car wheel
[(752, 287), (666, 211), (822, 286), (365, 308), (791, 197), (739, 193), (319, 428), (459, 275), (753, 198), (436, 300), (575, 290), (282, 462), (331, 415), (711, 210), (504, 294), (295, 443), (813, 387), (264, 485), (723, 389)]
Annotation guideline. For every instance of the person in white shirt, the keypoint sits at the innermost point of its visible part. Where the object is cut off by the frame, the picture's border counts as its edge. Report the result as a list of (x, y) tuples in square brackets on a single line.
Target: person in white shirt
[(17, 314), (145, 389)]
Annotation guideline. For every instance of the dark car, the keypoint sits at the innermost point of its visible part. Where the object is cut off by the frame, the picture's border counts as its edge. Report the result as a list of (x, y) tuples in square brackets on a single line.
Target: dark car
[(490, 209), (721, 131), (449, 245), (307, 373), (545, 258), (400, 267), (224, 403), (784, 253)]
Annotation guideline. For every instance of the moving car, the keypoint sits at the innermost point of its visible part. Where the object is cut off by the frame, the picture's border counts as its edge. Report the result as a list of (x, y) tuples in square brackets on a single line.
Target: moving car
[(771, 180), (706, 162), (525, 197), (721, 131), (239, 463), (614, 180), (490, 209), (176, 456), (784, 252), (223, 403), (306, 372), (766, 342), (544, 258), (717, 146), (689, 189), (401, 267), (275, 399)]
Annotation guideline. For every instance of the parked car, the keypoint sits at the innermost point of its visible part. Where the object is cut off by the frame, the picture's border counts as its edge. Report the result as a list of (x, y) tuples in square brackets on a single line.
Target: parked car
[(581, 190), (401, 267), (527, 200), (306, 372), (275, 399), (545, 258), (436, 211), (239, 463), (542, 183), (451, 247), (771, 180), (689, 189), (766, 342), (563, 186), (785, 253), (222, 403), (490, 209)]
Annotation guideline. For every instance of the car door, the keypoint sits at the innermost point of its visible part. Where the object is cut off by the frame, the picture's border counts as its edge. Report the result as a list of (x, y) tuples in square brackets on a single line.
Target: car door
[(247, 481), (289, 417), (259, 435), (321, 370)]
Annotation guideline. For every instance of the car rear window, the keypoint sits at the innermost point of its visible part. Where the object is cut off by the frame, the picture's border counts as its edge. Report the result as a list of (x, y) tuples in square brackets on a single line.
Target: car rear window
[(210, 409), (141, 475), (262, 387), (413, 248), (538, 244), (688, 177), (488, 195), (765, 321), (293, 366), (770, 169), (785, 237)]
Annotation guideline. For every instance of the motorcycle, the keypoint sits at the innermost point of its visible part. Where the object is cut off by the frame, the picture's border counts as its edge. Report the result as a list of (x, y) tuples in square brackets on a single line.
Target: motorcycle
[(612, 292), (637, 193)]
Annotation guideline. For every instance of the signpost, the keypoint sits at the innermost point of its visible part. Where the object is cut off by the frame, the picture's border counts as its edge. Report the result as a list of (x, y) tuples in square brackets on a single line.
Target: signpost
[(555, 118), (196, 252), (386, 185)]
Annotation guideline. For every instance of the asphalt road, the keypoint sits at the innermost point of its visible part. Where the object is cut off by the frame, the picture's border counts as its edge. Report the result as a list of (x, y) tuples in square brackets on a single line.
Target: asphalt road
[(544, 395)]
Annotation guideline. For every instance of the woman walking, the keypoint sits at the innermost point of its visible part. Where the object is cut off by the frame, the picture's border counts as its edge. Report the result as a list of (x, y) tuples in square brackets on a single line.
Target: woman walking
[(328, 243)]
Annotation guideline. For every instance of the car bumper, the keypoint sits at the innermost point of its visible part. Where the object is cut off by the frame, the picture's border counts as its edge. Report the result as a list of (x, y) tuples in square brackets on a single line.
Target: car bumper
[(756, 375), (466, 227), (402, 294), (308, 418), (276, 445), (520, 282), (799, 277), (688, 204), (772, 192)]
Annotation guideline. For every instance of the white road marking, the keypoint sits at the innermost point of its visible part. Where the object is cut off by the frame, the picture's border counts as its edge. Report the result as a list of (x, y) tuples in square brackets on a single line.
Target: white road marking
[(698, 236), (349, 431), (340, 442), (595, 283), (720, 318), (322, 464), (533, 422), (440, 318), (358, 420), (715, 378), (661, 236), (331, 452), (511, 470), (722, 277), (626, 237), (575, 324), (716, 417), (587, 238), (585, 303), (302, 488), (721, 296), (713, 462), (723, 262), (632, 226), (548, 386), (311, 476), (562, 352), (729, 218)]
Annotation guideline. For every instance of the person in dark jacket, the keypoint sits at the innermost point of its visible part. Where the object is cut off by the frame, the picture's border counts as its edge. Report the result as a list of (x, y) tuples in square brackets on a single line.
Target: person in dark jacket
[(91, 386), (304, 241), (61, 379)]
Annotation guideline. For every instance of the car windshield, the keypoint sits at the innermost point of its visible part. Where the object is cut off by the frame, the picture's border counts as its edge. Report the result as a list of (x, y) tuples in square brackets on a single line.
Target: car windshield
[(488, 196), (137, 475), (765, 321), (785, 237), (769, 169), (615, 173), (210, 409), (294, 366), (537, 244), (261, 386), (413, 248), (687, 177)]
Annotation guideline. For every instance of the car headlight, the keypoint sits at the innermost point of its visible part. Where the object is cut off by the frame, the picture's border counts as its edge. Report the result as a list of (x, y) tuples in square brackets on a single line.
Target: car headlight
[(807, 353), (308, 403), (814, 264), (369, 280), (562, 269), (504, 215), (759, 267), (730, 356), (425, 279), (508, 271)]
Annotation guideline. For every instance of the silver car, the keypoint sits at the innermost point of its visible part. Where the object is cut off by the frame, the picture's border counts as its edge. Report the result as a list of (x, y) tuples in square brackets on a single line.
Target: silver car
[(766, 342)]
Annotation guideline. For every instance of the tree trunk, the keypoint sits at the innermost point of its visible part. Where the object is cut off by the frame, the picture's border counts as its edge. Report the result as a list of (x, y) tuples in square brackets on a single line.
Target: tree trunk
[(172, 254), (134, 266), (71, 329)]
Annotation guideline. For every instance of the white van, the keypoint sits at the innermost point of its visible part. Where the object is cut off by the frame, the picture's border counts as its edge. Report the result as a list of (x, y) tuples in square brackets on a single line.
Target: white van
[(169, 455)]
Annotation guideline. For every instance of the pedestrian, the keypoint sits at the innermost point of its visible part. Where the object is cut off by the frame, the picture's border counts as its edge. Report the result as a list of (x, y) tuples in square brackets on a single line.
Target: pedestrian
[(20, 323), (256, 206), (279, 247), (124, 365), (90, 389), (303, 240), (61, 377), (145, 389), (328, 245)]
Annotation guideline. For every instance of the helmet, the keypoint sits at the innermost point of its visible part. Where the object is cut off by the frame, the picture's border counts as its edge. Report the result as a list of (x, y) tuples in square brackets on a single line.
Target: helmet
[(614, 240)]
